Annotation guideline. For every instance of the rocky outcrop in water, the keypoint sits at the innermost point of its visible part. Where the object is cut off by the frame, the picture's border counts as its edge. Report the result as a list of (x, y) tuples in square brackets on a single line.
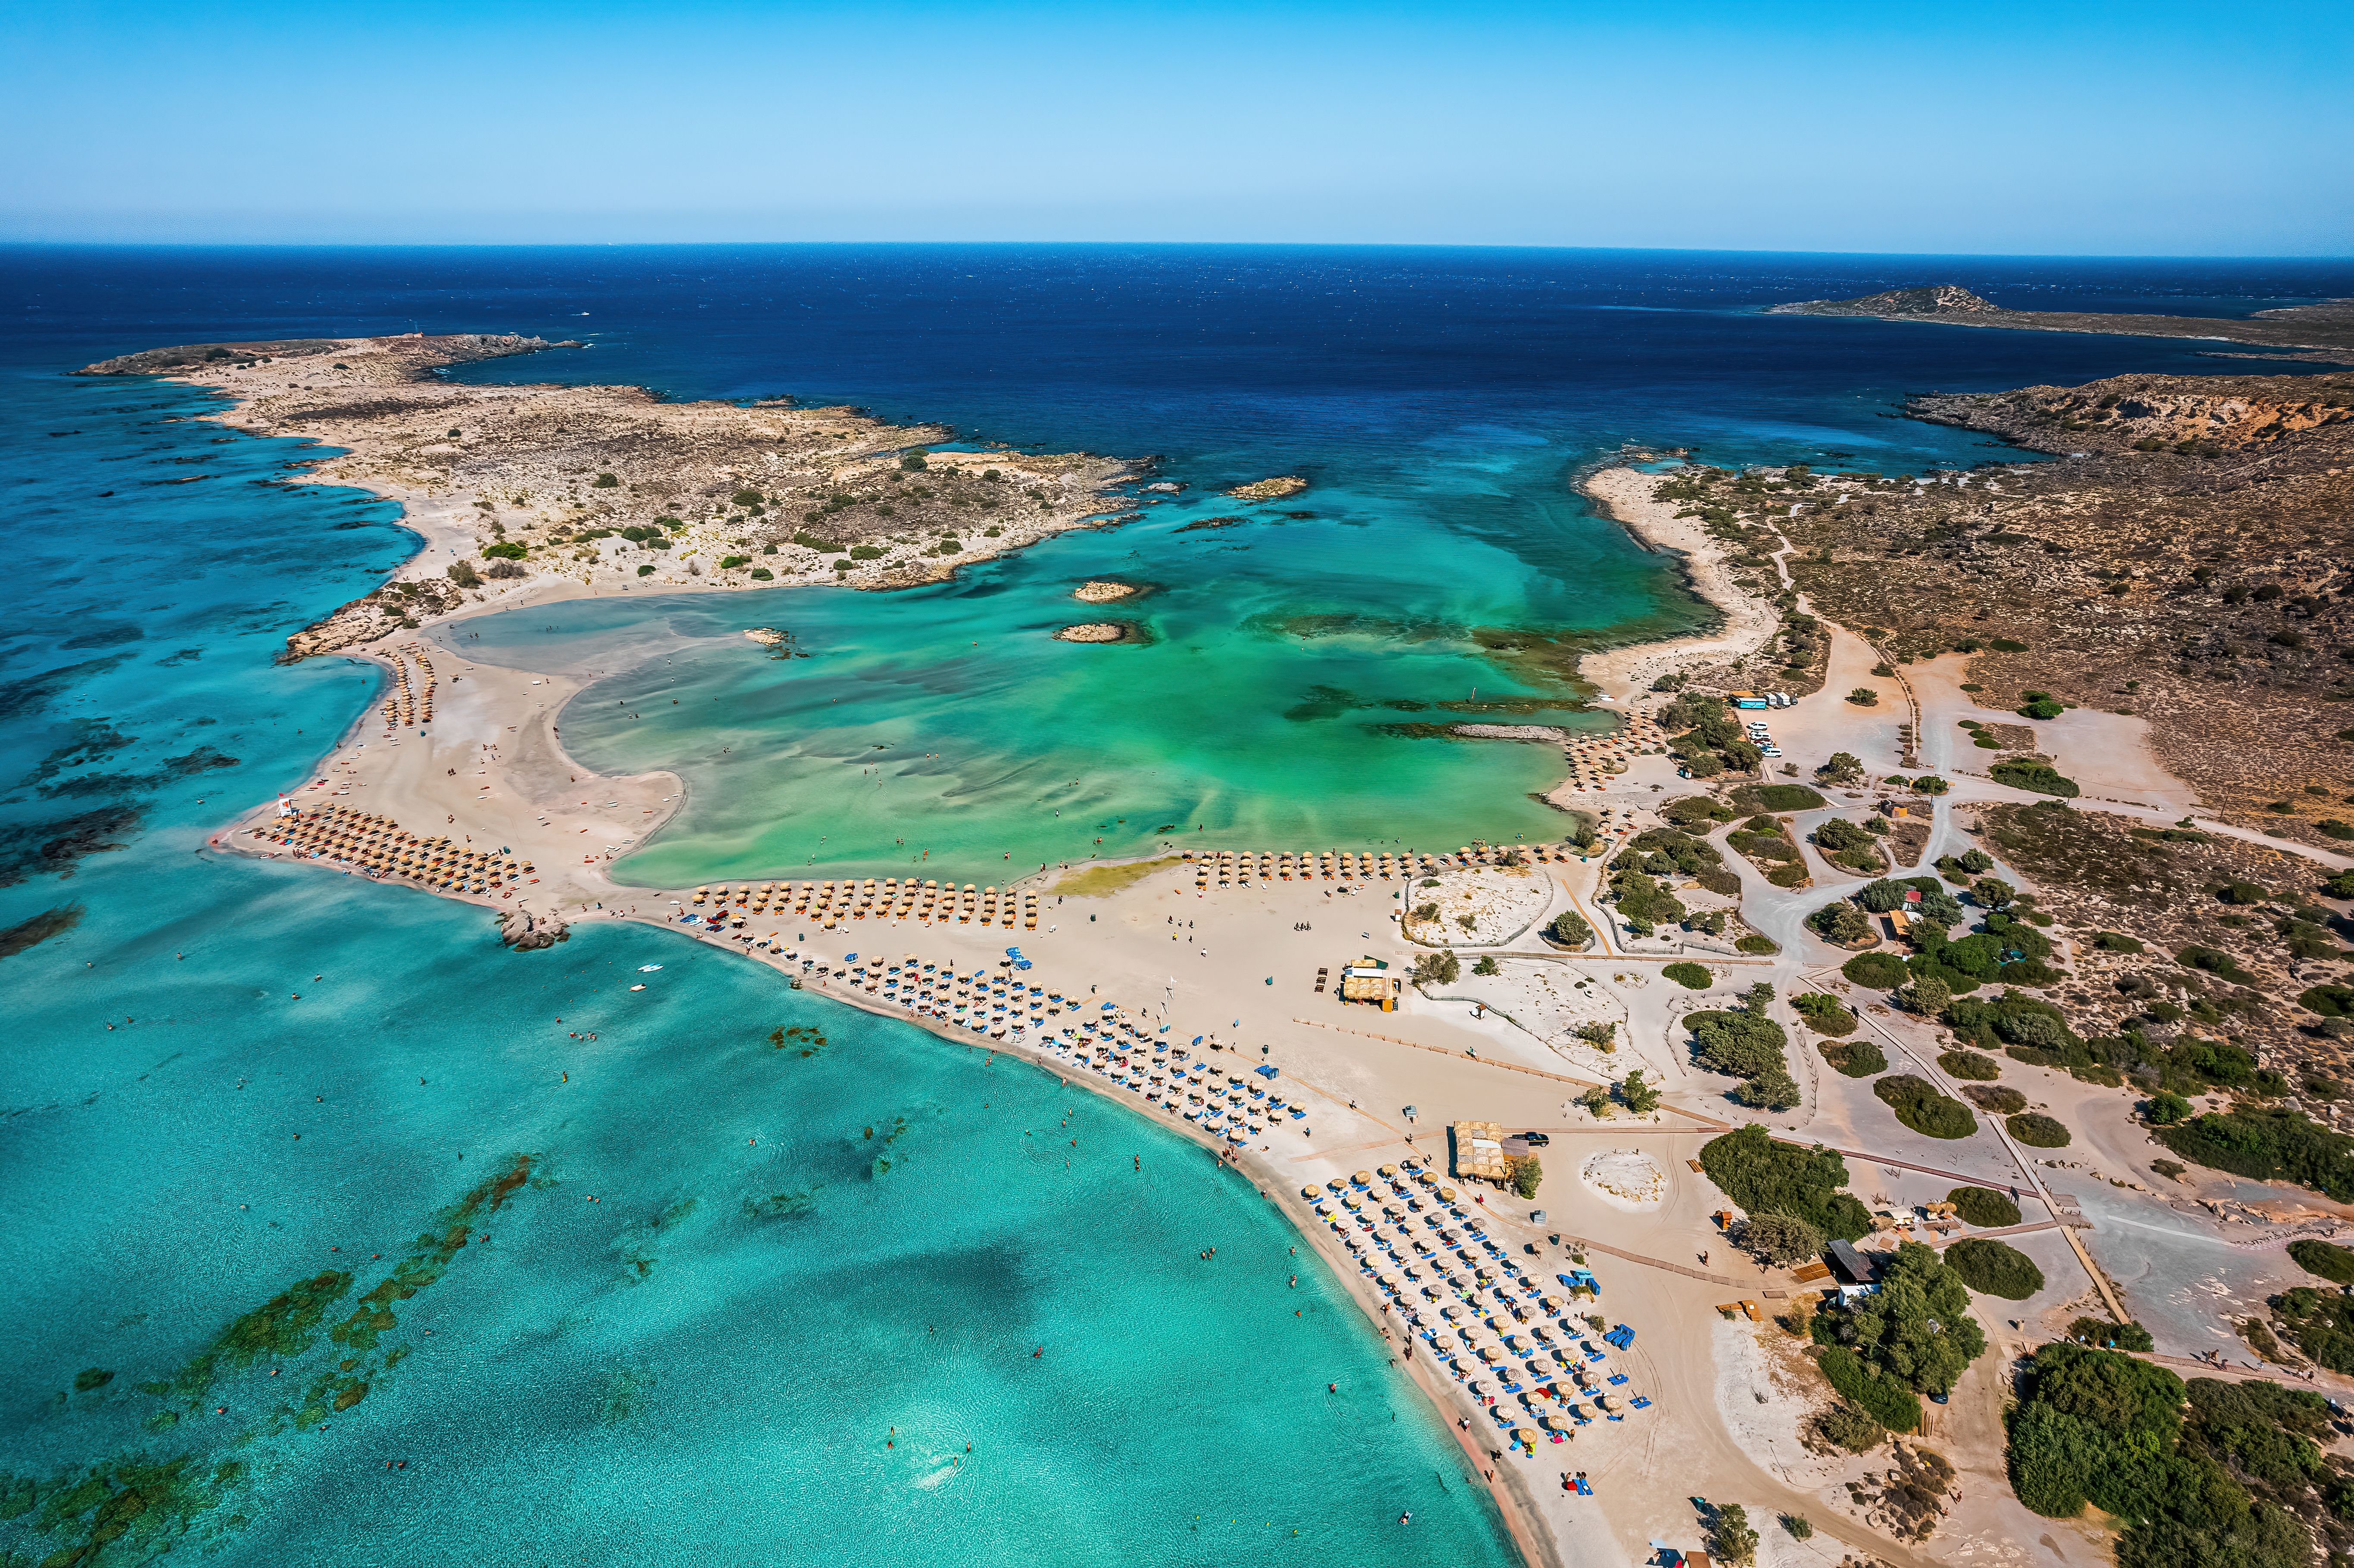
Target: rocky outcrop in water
[(525, 932)]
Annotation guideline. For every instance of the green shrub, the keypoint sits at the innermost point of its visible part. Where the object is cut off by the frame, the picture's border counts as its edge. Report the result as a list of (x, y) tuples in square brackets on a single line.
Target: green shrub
[(1883, 1399), (2001, 1101), (2101, 1427), (1790, 874), (1754, 943), (2329, 1001), (505, 550), (2037, 1130), (1692, 977), (2210, 960), (867, 552), (1853, 1058), (2040, 777), (2335, 1264), (1875, 971), (1983, 1207), (729, 563), (1839, 833), (1764, 1177), (1995, 1268), (1841, 922), (1864, 697), (1740, 1044), (1919, 1106), (1571, 930), (1823, 1013), (1776, 798), (1970, 1064), (747, 497), (763, 574), (1851, 1427), (2268, 1145), (1779, 1239), (2111, 1336), (645, 571), (1693, 810), (2321, 1323)]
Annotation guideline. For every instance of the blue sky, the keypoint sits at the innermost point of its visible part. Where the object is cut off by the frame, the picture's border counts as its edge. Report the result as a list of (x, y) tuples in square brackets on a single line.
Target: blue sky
[(2155, 128)]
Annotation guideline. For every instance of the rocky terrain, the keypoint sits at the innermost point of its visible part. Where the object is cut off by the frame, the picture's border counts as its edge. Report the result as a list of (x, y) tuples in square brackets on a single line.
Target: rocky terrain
[(2184, 561), (614, 487), (2326, 330)]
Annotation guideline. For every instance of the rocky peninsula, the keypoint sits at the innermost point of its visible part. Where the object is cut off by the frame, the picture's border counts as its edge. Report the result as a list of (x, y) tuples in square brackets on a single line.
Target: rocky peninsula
[(562, 491)]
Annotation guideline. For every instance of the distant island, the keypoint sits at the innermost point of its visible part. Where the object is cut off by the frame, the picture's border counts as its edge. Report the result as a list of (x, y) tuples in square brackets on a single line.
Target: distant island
[(2324, 330)]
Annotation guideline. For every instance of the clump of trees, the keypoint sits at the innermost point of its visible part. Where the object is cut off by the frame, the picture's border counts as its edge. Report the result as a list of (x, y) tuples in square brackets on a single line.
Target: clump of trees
[(1778, 1240), (1438, 968), (2268, 1144), (2204, 1472), (1526, 1172), (1747, 1046), (1768, 1177)]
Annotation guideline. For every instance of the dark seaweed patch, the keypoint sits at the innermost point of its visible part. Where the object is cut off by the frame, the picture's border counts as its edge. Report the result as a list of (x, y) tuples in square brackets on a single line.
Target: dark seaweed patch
[(37, 849), (32, 933)]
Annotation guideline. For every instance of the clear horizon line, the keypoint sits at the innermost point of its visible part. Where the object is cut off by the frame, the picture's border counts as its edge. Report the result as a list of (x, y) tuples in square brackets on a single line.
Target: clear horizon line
[(95, 244)]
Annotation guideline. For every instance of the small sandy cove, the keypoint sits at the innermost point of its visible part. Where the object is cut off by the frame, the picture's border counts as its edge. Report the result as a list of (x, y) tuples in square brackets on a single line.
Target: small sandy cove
[(1624, 496)]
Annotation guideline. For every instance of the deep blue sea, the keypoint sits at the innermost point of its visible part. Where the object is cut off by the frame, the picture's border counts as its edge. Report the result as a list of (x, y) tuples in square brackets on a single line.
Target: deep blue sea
[(736, 1303)]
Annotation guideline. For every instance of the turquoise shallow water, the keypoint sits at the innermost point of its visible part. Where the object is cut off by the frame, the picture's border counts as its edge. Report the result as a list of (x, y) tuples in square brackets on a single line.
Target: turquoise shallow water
[(1284, 654), (707, 1363)]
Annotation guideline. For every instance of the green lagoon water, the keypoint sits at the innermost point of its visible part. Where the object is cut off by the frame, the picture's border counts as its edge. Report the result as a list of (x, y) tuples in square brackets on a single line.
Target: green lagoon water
[(1265, 708)]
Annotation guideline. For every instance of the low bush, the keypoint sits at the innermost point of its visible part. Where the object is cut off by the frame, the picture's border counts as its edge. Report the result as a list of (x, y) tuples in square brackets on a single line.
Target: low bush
[(1983, 1207), (1852, 1427), (1753, 797), (2321, 1322), (2335, 1264), (1571, 930), (2040, 776), (1853, 1058), (1753, 943), (1823, 1013), (1691, 977), (1842, 923), (1919, 1106), (1995, 1268), (2000, 1101), (2037, 1130), (1970, 1064), (2111, 1336), (1875, 971)]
